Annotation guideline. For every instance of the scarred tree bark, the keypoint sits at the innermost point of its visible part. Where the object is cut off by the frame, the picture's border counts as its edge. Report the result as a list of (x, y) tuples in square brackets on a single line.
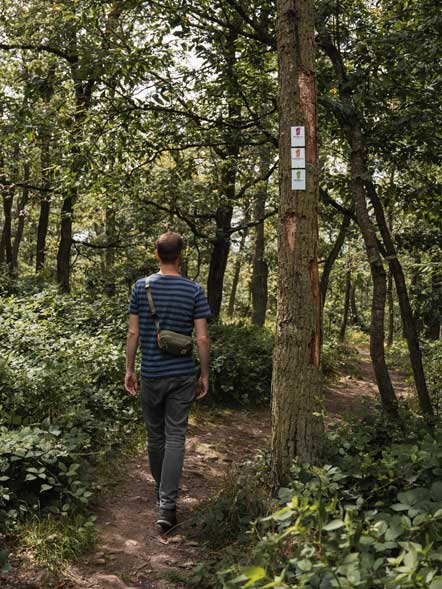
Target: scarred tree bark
[(296, 382)]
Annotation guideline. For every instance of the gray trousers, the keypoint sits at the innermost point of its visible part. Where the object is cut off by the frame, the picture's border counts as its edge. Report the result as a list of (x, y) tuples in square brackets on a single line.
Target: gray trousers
[(166, 403)]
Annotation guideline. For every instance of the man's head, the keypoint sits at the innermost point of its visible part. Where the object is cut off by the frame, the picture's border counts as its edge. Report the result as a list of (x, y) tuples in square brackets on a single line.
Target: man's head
[(168, 247)]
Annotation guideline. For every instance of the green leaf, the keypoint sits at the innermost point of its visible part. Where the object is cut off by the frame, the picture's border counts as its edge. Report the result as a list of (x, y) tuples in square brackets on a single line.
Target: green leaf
[(334, 525), (254, 574)]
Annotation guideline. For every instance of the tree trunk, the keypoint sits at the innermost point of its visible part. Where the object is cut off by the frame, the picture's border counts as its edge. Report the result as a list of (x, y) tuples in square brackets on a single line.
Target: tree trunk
[(260, 271), (109, 255), (334, 253), (350, 125), (45, 202), (432, 318), (6, 239), (218, 259), (237, 271), (344, 323), (377, 352), (353, 305), (83, 95), (390, 300), (296, 381), (409, 325), (21, 207)]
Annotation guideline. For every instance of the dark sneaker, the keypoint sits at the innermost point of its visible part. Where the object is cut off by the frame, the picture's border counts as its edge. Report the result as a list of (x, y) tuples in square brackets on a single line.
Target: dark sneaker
[(167, 520)]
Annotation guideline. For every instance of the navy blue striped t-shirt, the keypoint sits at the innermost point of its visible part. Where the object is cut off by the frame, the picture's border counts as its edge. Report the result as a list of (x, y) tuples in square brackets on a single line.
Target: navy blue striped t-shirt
[(178, 301)]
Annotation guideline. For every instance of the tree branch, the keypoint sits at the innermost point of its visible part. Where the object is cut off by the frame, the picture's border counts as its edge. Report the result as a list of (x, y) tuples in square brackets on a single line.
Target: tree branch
[(69, 57)]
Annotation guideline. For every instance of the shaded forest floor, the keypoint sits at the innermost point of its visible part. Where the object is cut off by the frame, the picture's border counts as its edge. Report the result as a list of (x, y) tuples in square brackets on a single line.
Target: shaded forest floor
[(129, 552)]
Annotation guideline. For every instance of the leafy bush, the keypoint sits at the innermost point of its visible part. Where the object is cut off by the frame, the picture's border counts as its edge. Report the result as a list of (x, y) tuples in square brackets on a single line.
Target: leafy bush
[(371, 519), (432, 355), (62, 404), (241, 367)]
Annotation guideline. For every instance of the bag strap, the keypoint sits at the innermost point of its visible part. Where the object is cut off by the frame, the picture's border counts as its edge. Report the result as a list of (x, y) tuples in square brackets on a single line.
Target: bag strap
[(151, 303)]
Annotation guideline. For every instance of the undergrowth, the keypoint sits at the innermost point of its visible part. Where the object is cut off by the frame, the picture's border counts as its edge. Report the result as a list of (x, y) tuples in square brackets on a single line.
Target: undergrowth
[(370, 517)]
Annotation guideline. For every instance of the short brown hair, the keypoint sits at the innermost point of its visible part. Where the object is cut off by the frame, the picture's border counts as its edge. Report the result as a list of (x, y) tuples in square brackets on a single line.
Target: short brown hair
[(169, 246)]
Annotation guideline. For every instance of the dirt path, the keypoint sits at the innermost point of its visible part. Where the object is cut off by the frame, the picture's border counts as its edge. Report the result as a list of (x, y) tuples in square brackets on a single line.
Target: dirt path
[(354, 393), (130, 553)]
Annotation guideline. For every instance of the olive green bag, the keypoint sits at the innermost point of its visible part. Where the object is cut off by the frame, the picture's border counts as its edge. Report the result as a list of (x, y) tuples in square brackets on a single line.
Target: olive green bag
[(169, 341)]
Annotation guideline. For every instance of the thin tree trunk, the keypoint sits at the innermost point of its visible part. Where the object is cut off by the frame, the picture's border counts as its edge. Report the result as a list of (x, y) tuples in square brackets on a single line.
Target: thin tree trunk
[(229, 163), (350, 125), (45, 196), (353, 305), (409, 325), (331, 259), (218, 259), (21, 208), (390, 299), (6, 238), (109, 255), (432, 318), (296, 380), (344, 323), (260, 271), (236, 273), (83, 95)]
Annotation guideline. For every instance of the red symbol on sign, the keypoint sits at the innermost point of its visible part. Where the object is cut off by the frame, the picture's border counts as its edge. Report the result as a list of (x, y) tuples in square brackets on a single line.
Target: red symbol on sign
[(298, 153), (298, 130)]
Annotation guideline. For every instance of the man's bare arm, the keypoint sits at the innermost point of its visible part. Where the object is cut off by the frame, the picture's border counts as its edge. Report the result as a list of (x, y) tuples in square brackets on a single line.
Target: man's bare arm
[(203, 343), (130, 380)]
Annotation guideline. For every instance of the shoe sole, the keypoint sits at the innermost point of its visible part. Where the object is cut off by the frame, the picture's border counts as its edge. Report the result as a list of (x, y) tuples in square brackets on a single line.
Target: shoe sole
[(165, 525)]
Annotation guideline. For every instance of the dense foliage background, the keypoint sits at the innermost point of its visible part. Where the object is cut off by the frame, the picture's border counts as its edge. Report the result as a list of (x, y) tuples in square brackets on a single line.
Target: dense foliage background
[(121, 120)]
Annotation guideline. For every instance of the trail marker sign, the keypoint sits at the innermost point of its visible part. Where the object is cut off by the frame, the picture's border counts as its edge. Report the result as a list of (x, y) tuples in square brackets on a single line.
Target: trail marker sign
[(297, 144)]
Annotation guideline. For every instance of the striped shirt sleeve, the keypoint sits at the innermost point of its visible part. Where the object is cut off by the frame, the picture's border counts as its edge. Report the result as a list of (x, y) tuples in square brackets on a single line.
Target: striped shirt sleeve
[(133, 305), (201, 309)]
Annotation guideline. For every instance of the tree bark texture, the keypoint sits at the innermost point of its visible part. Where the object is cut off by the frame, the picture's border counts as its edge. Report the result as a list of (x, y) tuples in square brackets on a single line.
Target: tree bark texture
[(260, 269), (408, 322), (296, 382), (331, 259)]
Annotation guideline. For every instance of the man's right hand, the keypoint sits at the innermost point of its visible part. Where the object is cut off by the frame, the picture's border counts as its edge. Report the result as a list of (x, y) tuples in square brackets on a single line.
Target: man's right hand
[(131, 383), (202, 387)]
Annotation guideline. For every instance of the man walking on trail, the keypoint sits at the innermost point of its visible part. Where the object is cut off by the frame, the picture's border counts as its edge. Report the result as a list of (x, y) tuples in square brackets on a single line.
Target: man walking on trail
[(164, 308)]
